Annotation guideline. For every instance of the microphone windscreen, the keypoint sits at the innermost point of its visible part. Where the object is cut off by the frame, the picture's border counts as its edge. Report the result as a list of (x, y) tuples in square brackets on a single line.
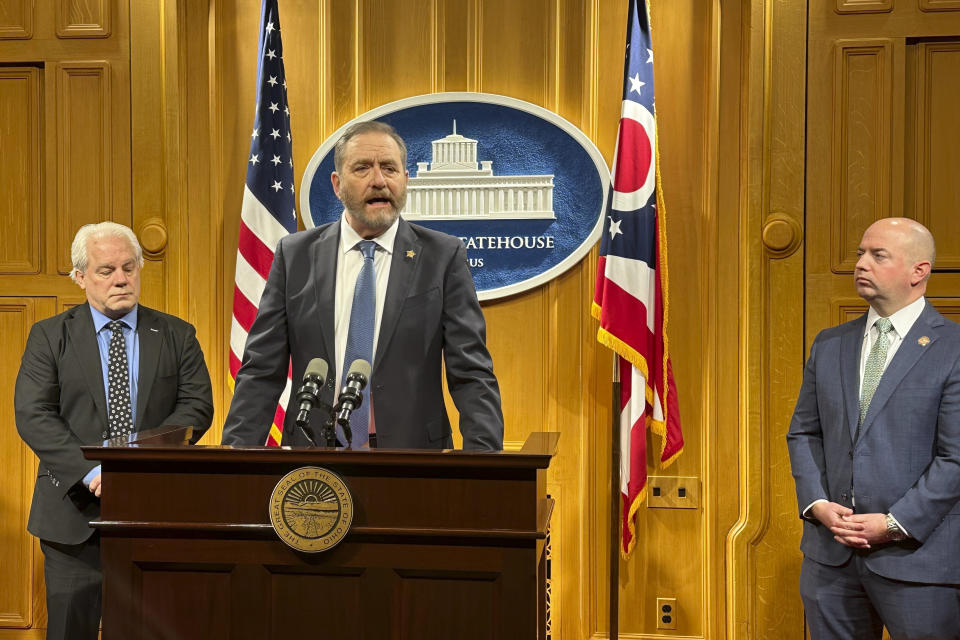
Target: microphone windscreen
[(316, 367), (360, 366)]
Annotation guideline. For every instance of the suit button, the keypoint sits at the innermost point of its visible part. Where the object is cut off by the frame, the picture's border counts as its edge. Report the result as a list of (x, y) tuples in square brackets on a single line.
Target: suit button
[(104, 435), (843, 496), (850, 454)]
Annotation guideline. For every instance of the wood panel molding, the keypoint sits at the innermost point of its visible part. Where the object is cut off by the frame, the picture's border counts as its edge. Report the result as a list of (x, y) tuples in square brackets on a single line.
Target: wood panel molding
[(763, 557), (84, 133), (16, 20), (936, 136), (848, 308), (939, 5), (84, 18), (949, 307), (861, 160), (17, 315), (864, 6), (21, 177)]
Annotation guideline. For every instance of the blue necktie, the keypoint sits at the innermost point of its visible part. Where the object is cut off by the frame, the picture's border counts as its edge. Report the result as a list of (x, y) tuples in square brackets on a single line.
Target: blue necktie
[(363, 315)]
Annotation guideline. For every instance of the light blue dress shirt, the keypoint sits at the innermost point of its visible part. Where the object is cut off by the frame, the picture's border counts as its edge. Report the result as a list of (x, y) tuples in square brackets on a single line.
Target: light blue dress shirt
[(132, 341)]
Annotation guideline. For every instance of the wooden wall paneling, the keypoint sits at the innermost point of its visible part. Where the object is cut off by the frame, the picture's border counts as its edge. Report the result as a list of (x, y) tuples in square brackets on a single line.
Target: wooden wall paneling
[(233, 100), (573, 90), (949, 307), (936, 137), (84, 18), (719, 394), (939, 5), (84, 150), (771, 559), (21, 173), (16, 20), (863, 96), (752, 301), (457, 45), (398, 57), (344, 62), (20, 466), (864, 6), (569, 404), (201, 296), (515, 49), (154, 142), (306, 54), (607, 27), (847, 308)]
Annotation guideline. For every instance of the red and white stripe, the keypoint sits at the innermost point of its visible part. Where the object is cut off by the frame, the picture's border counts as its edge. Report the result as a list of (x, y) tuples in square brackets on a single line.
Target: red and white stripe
[(259, 235)]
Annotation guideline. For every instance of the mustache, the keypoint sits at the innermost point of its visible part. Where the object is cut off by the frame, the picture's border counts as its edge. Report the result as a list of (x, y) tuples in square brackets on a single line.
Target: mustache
[(382, 195)]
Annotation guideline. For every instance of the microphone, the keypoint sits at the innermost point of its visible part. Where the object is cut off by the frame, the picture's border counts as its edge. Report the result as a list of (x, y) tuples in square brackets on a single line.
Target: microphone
[(313, 379), (350, 396)]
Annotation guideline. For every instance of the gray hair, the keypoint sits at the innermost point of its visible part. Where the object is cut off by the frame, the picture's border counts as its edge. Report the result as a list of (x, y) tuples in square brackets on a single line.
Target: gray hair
[(88, 232), (367, 126)]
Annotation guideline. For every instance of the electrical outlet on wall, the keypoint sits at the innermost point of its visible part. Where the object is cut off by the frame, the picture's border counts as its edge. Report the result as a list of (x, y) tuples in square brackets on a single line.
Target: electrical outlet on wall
[(666, 613)]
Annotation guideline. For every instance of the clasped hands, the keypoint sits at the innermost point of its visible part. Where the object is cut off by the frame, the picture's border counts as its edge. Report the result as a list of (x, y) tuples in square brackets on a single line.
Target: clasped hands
[(856, 530)]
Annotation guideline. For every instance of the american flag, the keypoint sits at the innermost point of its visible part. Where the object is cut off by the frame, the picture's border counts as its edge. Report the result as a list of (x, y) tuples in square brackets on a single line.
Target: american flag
[(269, 207), (632, 280)]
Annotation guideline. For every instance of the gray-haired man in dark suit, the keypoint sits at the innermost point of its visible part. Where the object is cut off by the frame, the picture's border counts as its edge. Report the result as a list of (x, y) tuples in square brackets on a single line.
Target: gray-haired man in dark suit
[(106, 368)]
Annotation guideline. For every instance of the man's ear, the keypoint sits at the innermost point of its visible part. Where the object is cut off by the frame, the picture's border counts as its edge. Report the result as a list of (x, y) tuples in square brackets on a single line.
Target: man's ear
[(921, 271), (335, 181)]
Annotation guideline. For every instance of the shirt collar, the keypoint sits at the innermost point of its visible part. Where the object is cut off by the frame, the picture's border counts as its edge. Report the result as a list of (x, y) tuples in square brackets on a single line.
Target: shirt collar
[(349, 237), (100, 320), (902, 320)]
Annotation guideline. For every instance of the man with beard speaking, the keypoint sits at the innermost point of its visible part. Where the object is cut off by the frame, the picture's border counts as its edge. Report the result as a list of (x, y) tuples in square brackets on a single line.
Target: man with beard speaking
[(371, 287)]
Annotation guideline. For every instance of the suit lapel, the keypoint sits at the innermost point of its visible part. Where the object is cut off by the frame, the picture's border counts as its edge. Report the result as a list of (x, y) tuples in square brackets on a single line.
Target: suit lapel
[(908, 353), (405, 261), (83, 341), (151, 341), (324, 254), (851, 344)]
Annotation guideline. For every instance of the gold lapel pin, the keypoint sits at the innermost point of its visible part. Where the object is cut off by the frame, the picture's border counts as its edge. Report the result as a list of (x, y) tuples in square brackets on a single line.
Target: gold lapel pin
[(411, 253), (923, 341)]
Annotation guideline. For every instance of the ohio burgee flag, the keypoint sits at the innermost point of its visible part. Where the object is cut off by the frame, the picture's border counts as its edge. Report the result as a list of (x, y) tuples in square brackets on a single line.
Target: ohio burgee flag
[(630, 296)]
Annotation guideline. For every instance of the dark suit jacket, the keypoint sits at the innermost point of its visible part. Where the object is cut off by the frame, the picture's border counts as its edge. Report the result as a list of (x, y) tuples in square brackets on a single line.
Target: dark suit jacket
[(60, 405), (431, 312), (907, 458)]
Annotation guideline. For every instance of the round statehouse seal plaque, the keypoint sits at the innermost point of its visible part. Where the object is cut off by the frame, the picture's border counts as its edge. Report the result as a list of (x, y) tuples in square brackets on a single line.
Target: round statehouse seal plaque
[(311, 509)]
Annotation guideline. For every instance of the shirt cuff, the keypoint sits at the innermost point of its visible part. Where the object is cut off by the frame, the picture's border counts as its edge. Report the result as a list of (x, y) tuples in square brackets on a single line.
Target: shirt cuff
[(902, 528), (806, 512), (93, 473)]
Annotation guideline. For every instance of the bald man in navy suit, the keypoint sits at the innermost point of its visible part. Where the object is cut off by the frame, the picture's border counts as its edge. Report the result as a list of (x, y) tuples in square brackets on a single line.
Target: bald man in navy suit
[(875, 451)]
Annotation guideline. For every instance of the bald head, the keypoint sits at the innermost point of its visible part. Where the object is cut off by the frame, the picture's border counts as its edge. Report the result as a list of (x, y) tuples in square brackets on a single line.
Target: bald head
[(915, 240), (895, 260)]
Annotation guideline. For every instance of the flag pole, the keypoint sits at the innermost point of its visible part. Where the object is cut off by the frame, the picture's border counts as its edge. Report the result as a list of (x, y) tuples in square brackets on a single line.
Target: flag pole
[(614, 586)]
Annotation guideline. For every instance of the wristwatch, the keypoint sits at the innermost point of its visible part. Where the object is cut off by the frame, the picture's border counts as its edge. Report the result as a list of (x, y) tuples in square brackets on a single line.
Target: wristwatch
[(894, 532)]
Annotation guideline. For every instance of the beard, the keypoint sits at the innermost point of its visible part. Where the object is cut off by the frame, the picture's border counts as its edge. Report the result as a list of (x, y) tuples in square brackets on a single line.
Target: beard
[(379, 219)]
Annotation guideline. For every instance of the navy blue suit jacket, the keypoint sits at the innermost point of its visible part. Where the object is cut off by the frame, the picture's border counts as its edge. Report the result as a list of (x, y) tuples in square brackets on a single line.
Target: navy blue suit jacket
[(431, 319), (907, 458)]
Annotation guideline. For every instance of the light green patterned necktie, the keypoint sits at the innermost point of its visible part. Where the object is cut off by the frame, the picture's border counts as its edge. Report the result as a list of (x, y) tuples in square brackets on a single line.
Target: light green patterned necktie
[(876, 360)]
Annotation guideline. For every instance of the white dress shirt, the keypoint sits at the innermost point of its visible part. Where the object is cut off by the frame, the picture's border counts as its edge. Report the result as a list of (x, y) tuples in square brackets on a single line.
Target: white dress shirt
[(348, 267), (902, 322)]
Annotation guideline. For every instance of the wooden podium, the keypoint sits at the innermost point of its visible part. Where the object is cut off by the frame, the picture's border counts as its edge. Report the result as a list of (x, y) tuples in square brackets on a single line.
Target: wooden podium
[(444, 544)]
